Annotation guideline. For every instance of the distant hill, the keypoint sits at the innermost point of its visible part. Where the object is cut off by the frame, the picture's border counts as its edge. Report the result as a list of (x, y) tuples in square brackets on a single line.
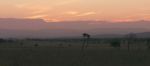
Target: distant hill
[(38, 28), (138, 35), (143, 35)]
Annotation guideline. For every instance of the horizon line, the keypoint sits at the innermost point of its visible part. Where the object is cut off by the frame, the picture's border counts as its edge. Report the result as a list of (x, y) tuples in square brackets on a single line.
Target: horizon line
[(111, 21)]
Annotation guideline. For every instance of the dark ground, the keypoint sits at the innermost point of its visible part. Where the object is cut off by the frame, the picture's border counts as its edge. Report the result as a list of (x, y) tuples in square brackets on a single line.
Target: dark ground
[(35, 56)]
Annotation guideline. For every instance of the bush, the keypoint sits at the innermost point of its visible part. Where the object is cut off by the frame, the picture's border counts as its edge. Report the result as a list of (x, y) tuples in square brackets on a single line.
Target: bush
[(2, 40), (36, 45), (115, 43)]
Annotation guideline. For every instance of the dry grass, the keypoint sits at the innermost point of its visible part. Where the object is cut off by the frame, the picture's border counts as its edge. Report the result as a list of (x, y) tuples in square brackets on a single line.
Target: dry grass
[(70, 57)]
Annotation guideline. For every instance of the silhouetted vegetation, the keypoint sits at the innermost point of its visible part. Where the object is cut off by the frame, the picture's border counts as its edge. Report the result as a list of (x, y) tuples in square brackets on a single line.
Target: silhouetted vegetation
[(131, 38), (2, 40), (115, 43), (67, 52), (60, 45), (36, 45), (69, 45)]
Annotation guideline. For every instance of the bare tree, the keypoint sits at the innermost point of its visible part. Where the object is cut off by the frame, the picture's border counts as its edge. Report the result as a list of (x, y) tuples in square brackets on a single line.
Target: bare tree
[(130, 39), (86, 38)]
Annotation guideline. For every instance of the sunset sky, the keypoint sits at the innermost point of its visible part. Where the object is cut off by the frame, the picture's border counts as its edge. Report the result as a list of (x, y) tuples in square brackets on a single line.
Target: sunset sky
[(66, 10)]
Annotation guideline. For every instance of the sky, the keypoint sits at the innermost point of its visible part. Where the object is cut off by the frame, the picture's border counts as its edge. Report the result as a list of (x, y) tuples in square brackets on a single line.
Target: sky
[(70, 10)]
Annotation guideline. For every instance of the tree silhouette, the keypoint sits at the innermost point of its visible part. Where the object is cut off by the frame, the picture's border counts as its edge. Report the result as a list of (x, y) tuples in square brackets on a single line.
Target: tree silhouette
[(115, 43), (130, 39), (148, 43), (21, 44), (60, 45), (86, 38), (69, 45), (2, 40), (36, 45)]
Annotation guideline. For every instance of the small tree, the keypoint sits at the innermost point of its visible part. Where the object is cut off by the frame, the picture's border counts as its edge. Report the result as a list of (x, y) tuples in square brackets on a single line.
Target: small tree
[(130, 38), (148, 43), (2, 40), (86, 38), (36, 45), (115, 44), (21, 44), (60, 45), (69, 45)]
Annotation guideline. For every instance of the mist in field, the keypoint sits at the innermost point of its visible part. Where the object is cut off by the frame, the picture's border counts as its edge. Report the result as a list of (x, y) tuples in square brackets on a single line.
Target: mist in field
[(38, 28)]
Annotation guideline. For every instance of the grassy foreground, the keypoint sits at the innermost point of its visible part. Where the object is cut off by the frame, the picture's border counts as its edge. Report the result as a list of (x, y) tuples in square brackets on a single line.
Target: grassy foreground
[(71, 57)]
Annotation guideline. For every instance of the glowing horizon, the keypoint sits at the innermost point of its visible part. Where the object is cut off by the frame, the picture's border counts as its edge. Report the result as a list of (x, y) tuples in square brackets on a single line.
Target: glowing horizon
[(65, 10)]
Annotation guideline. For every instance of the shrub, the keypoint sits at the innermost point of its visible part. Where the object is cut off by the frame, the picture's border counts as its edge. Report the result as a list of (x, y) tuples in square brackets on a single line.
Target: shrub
[(36, 45), (115, 43)]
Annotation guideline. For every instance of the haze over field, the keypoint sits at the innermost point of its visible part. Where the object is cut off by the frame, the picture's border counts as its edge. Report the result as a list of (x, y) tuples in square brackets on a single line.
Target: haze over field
[(38, 28)]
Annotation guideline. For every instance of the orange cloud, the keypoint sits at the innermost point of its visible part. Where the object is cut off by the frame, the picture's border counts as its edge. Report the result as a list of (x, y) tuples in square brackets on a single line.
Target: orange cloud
[(87, 14), (76, 9), (78, 14), (37, 16), (72, 13)]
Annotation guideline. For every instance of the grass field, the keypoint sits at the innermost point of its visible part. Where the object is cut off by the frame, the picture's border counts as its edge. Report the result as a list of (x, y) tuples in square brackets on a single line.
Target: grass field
[(67, 52), (71, 57)]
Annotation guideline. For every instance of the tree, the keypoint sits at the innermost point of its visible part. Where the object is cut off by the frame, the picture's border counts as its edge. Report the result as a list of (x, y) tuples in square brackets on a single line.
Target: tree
[(60, 45), (2, 40), (86, 38), (21, 43), (69, 45), (130, 39), (115, 43), (148, 43), (36, 45)]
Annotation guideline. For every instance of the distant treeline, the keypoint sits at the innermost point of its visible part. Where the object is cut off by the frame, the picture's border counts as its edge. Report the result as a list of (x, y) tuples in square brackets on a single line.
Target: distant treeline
[(111, 42), (79, 39)]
